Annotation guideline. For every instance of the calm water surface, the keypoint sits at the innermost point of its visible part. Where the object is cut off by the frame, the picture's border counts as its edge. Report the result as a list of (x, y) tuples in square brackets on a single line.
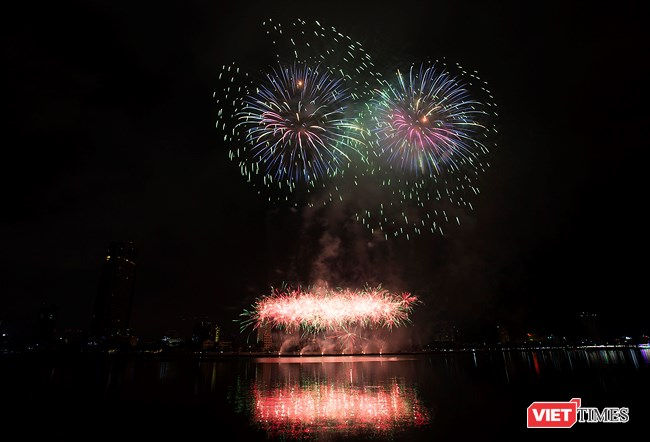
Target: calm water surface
[(460, 395)]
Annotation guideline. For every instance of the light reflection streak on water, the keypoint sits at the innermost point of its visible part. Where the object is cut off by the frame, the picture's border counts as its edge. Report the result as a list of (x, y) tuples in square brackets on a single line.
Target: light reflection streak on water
[(538, 362), (320, 407), (378, 395), (645, 354), (294, 397)]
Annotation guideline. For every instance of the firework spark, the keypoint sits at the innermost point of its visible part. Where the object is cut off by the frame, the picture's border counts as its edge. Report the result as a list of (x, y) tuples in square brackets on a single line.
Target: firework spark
[(323, 309)]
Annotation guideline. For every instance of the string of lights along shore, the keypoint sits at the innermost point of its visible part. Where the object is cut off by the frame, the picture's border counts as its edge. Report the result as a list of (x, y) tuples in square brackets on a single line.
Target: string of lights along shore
[(403, 148)]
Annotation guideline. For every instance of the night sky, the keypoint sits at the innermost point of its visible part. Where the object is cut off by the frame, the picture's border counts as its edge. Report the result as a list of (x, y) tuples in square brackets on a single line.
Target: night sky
[(111, 136)]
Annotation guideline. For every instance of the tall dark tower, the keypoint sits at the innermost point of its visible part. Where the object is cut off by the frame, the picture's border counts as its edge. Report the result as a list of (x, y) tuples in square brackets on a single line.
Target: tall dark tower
[(112, 311)]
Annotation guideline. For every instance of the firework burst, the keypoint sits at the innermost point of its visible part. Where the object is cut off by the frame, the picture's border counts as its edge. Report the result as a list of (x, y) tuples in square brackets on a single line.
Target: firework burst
[(296, 124), (292, 128), (427, 121), (404, 153), (323, 309), (432, 129)]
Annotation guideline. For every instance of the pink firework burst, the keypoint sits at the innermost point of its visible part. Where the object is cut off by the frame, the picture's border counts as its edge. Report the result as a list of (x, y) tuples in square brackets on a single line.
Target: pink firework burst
[(319, 309)]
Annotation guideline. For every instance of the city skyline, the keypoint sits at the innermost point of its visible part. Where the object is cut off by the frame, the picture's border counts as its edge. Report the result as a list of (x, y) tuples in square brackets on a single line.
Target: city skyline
[(120, 144)]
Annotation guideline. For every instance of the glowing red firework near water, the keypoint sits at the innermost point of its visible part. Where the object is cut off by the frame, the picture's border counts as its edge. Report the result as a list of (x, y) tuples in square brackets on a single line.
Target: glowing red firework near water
[(322, 309)]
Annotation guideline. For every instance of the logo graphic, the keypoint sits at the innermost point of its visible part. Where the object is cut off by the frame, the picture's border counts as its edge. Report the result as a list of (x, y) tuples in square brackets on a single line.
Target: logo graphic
[(567, 414), (553, 414)]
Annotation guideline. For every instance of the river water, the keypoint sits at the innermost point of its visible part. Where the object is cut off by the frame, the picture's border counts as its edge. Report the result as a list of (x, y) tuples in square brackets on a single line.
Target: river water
[(407, 397)]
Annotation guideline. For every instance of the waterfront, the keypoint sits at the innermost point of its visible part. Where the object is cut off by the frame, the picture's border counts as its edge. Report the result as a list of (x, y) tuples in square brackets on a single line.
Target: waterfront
[(401, 397)]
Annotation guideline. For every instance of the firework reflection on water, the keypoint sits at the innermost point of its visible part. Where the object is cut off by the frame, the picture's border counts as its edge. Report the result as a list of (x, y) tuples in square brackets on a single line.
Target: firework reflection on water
[(352, 396)]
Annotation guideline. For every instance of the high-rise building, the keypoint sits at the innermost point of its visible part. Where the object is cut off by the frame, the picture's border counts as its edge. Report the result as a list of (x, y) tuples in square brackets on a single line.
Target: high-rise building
[(205, 334), (588, 326), (4, 337), (112, 311), (265, 337), (445, 332), (502, 334), (47, 325)]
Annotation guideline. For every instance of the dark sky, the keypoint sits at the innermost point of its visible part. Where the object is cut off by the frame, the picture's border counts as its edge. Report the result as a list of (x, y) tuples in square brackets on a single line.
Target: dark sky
[(111, 136)]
